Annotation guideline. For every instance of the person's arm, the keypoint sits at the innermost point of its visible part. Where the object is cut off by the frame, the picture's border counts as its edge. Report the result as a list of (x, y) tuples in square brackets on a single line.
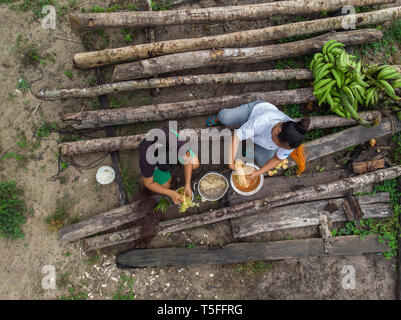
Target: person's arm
[(155, 187), (232, 152), (269, 165), (190, 161)]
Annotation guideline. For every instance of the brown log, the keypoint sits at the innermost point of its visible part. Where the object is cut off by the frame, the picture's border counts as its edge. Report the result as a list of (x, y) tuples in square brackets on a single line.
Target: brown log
[(347, 138), (132, 142), (235, 39), (318, 192), (366, 166), (246, 252), (208, 15), (196, 59), (176, 110), (307, 214), (101, 222), (222, 78)]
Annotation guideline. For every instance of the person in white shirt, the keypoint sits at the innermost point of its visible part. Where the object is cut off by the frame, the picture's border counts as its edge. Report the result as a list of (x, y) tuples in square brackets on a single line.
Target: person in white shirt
[(275, 135)]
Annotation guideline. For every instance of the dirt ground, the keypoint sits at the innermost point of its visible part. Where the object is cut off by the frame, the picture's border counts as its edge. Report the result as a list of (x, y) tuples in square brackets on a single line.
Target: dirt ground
[(95, 276)]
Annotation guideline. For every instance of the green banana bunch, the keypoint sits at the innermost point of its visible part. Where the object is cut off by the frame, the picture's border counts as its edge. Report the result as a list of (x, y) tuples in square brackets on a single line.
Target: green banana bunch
[(345, 83), (386, 79)]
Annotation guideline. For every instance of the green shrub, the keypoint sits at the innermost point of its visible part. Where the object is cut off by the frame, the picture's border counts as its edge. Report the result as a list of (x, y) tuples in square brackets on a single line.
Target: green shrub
[(12, 211)]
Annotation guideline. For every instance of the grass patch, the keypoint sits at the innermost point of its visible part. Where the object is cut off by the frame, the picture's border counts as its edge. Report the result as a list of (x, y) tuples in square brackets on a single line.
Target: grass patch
[(12, 211), (387, 46), (253, 268), (130, 184), (388, 229), (124, 289), (75, 294), (67, 73), (57, 220)]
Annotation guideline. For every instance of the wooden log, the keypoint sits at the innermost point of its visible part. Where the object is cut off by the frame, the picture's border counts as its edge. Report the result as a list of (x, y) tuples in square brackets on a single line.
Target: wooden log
[(317, 192), (134, 19), (206, 58), (307, 214), (347, 138), (235, 39), (132, 142), (101, 222), (278, 184), (176, 110), (366, 166), (222, 78), (246, 252), (150, 32), (283, 184)]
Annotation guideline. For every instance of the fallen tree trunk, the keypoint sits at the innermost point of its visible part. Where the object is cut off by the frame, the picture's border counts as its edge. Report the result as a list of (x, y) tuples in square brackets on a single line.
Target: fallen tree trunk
[(176, 110), (317, 192), (134, 19), (101, 222), (122, 215), (328, 145), (132, 142), (347, 138), (222, 78), (307, 214), (246, 252), (196, 59), (241, 38)]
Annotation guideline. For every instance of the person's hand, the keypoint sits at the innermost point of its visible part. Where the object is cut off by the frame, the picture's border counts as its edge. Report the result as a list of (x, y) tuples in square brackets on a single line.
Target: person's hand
[(176, 197), (188, 191), (231, 166), (253, 175)]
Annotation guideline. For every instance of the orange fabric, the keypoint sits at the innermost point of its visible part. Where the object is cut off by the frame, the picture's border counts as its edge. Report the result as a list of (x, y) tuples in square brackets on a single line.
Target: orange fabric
[(299, 157)]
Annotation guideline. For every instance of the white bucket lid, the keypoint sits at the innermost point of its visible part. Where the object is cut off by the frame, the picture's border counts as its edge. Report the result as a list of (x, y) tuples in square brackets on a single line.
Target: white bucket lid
[(105, 175)]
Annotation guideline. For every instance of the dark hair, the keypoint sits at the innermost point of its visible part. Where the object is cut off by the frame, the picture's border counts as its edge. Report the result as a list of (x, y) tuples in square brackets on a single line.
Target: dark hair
[(293, 132)]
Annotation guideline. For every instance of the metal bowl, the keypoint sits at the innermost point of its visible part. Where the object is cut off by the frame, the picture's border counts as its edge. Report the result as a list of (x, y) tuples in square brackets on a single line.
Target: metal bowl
[(197, 186), (250, 192)]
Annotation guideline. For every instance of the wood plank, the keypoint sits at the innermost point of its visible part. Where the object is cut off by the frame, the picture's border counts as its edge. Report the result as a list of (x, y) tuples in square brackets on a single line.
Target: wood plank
[(278, 184), (307, 214), (101, 222), (245, 252), (347, 138), (317, 192)]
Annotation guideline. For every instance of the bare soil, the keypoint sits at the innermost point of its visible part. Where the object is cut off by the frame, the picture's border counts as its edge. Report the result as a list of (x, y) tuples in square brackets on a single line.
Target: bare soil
[(95, 274)]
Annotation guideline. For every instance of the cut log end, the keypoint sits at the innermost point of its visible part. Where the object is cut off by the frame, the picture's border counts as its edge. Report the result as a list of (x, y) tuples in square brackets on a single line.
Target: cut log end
[(64, 149)]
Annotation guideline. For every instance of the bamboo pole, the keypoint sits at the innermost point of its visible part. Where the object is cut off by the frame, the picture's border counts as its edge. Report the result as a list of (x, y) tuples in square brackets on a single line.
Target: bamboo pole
[(318, 192), (209, 15), (132, 142), (241, 38), (176, 110), (196, 59)]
